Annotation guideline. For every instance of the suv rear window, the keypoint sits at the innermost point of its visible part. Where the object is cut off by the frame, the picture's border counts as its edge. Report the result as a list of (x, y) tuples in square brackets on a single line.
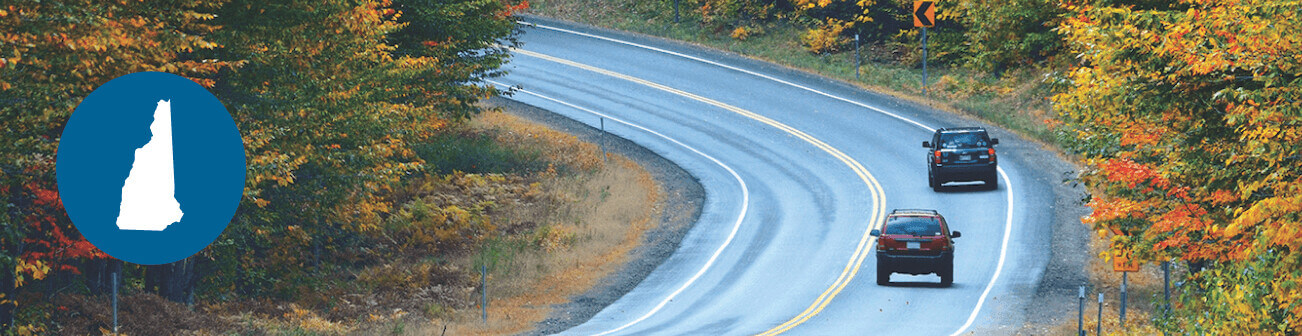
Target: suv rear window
[(964, 140), (916, 226)]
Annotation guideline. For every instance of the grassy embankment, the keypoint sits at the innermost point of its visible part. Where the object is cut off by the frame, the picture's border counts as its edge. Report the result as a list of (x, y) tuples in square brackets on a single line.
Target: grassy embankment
[(558, 218), (1016, 99)]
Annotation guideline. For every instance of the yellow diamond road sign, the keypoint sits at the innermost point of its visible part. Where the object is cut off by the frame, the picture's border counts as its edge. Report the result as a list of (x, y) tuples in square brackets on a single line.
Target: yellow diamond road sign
[(924, 13)]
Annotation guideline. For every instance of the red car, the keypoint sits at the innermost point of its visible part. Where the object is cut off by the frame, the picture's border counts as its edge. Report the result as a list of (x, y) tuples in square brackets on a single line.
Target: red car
[(914, 241)]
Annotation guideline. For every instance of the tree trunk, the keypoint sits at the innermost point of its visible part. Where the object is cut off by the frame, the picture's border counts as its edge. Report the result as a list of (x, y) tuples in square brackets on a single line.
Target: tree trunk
[(175, 281), (8, 290), (99, 275)]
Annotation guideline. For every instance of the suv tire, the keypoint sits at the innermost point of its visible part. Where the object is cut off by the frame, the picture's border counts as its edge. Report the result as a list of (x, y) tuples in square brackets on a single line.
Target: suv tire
[(883, 275), (992, 182), (946, 273), (931, 181)]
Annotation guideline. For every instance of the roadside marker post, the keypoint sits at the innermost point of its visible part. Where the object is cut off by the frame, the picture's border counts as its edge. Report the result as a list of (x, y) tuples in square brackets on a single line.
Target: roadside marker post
[(114, 276), (1166, 285), (1080, 318), (1099, 323), (675, 11), (483, 283), (856, 56), (603, 140)]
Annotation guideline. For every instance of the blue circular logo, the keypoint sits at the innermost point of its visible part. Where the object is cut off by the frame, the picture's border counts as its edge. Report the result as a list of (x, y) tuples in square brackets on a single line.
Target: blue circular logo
[(150, 168)]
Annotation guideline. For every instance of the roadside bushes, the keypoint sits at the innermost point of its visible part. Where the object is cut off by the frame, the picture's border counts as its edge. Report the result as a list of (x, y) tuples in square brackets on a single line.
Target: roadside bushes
[(424, 224), (978, 33)]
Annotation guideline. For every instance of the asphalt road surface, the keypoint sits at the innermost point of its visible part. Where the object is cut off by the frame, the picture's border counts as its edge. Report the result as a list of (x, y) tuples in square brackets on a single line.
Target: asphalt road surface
[(796, 171)]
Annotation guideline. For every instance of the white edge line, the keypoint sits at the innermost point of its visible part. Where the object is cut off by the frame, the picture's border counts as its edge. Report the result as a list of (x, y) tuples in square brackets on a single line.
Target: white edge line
[(745, 204), (1008, 225), (1003, 253)]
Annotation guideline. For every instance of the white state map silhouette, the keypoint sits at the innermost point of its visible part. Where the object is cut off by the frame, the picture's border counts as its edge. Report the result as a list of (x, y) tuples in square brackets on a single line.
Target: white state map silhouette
[(149, 194)]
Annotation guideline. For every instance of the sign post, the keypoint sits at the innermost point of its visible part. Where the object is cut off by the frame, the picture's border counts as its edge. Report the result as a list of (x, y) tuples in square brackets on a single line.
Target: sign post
[(924, 15), (1122, 262), (1123, 298)]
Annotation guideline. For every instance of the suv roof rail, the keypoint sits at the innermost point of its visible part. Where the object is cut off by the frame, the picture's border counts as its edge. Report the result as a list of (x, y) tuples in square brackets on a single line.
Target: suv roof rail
[(915, 211), (967, 128)]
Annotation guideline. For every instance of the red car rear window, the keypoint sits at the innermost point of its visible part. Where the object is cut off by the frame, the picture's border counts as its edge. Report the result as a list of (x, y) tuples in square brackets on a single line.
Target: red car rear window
[(914, 226)]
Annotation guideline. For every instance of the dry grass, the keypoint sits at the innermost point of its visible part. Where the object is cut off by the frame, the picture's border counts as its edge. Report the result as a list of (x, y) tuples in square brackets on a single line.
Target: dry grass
[(604, 218), (563, 229)]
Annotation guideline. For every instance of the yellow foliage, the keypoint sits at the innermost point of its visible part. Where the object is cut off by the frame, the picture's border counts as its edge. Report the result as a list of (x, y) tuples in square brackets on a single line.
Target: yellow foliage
[(37, 269), (30, 330), (826, 38), (555, 237), (741, 33)]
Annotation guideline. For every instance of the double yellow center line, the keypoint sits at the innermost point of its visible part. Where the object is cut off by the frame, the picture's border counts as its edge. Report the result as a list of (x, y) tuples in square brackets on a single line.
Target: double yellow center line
[(879, 202)]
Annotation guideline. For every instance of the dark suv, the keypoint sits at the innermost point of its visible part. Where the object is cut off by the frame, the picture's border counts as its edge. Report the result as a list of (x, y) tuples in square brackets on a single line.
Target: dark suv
[(961, 154), (914, 241)]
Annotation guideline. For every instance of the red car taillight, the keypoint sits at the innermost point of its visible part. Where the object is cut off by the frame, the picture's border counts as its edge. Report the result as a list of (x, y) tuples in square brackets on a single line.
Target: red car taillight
[(889, 243), (937, 157)]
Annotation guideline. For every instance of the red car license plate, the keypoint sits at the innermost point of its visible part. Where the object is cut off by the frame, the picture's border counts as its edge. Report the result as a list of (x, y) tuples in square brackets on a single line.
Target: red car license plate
[(914, 245)]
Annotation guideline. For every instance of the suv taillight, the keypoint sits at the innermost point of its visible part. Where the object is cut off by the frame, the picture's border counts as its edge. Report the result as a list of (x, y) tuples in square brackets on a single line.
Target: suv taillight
[(937, 157), (992, 155)]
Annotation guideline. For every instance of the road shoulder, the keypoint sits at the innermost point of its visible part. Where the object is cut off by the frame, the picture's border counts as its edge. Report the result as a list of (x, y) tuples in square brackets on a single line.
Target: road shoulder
[(681, 205)]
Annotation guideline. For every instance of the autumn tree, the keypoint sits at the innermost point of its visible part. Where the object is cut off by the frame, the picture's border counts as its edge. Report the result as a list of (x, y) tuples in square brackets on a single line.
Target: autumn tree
[(325, 131), (1189, 113), (988, 34), (332, 99), (54, 54), (467, 41)]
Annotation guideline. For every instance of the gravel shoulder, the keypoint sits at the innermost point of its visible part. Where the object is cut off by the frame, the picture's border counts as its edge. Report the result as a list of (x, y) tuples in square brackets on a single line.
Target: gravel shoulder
[(1055, 298), (681, 204)]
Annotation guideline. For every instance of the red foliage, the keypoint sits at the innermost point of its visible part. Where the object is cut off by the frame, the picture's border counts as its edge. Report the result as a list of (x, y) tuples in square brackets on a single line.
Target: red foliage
[(52, 236), (1132, 173), (516, 8)]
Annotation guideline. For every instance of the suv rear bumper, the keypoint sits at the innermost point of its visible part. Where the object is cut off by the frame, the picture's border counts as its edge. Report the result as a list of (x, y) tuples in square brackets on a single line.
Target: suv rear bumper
[(915, 264), (974, 172)]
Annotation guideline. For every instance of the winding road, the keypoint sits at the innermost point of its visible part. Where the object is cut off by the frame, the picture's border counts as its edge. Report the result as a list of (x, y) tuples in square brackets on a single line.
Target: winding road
[(796, 169)]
